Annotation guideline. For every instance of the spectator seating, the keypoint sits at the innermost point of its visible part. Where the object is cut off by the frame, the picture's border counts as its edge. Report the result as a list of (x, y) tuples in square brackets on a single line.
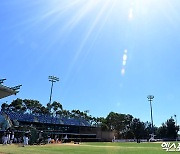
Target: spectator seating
[(26, 117)]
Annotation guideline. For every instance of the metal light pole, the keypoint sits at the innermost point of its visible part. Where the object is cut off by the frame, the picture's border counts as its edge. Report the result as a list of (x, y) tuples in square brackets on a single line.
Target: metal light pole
[(52, 79), (176, 124), (150, 99), (175, 116)]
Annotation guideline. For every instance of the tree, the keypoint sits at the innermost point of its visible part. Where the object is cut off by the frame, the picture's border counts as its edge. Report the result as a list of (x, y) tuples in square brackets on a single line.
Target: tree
[(4, 107), (138, 128), (148, 130), (37, 107), (168, 129), (76, 113), (103, 124), (17, 106), (56, 106), (44, 110), (162, 131), (171, 129), (32, 106), (29, 105), (120, 123), (126, 128), (66, 113)]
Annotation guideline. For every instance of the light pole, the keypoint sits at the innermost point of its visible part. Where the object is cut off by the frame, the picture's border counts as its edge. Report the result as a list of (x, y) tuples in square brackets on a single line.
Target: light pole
[(52, 79), (150, 99), (176, 125)]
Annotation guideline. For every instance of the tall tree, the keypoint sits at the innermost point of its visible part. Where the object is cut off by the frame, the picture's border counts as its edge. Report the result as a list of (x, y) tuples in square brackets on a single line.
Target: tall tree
[(17, 106), (172, 129), (138, 128), (162, 131), (56, 106), (168, 129), (32, 106), (120, 123)]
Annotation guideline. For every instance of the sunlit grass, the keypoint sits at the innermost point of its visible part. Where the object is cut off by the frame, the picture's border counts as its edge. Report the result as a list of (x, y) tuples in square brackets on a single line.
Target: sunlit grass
[(113, 148)]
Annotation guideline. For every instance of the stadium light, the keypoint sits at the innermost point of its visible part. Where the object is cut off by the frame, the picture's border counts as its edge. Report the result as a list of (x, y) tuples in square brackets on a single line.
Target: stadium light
[(150, 99), (175, 116), (52, 79)]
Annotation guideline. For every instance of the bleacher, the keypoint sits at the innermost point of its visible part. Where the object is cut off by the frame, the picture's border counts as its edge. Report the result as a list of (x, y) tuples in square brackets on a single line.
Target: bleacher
[(46, 119)]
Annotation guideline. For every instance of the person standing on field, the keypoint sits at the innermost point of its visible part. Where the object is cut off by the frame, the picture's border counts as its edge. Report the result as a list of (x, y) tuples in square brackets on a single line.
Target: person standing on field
[(26, 138), (49, 139), (12, 137), (4, 139)]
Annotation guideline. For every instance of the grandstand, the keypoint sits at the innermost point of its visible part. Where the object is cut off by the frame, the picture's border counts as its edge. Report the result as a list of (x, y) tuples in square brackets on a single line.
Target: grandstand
[(73, 129)]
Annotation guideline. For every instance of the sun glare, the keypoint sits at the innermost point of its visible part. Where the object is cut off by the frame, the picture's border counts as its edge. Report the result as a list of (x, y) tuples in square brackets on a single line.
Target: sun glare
[(122, 71), (97, 14)]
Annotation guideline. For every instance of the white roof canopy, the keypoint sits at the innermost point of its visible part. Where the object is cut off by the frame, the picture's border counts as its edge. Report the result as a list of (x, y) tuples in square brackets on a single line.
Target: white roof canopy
[(6, 91)]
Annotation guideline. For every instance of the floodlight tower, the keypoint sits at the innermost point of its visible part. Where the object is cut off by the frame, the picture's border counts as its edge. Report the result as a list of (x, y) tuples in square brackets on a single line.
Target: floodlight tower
[(175, 116), (52, 79), (150, 99)]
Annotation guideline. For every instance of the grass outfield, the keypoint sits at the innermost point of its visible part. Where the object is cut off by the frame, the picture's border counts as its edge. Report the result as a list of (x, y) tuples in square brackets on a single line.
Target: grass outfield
[(89, 148)]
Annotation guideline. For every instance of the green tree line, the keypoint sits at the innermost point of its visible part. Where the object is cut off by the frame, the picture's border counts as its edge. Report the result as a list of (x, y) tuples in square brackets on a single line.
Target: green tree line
[(125, 126)]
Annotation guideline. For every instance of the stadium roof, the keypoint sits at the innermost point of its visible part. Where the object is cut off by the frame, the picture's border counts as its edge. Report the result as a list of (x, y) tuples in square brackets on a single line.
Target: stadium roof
[(7, 91)]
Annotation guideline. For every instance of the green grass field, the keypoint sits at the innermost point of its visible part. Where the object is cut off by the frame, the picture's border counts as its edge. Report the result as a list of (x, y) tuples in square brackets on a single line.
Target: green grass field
[(87, 148)]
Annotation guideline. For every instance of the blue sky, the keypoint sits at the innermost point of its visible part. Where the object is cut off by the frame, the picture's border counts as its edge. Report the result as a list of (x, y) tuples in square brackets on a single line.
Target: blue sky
[(108, 54)]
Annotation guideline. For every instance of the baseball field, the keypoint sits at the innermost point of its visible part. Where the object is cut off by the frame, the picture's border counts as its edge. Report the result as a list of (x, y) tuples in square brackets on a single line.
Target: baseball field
[(85, 148)]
